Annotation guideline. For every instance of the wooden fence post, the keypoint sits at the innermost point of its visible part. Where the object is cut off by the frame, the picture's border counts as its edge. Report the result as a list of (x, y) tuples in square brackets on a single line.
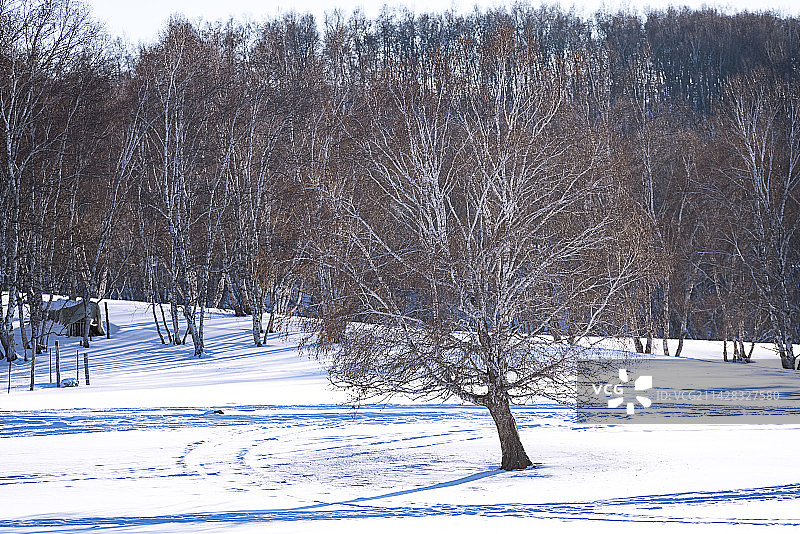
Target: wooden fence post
[(77, 367), (50, 352), (86, 367), (58, 367), (9, 377), (108, 330)]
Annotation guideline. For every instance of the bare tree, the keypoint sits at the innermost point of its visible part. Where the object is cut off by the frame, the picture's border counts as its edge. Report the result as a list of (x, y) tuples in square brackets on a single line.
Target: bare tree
[(258, 169), (186, 163), (42, 42), (479, 223), (764, 121)]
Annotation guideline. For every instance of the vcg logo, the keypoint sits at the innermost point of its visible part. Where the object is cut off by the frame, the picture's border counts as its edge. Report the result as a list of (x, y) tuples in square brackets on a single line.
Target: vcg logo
[(617, 390)]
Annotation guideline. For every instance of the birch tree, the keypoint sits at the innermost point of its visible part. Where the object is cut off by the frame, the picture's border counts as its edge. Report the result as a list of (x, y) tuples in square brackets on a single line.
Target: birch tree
[(764, 121), (42, 41), (258, 167), (179, 150)]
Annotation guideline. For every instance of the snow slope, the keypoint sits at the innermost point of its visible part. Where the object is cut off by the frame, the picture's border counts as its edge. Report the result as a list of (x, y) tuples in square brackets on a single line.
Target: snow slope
[(141, 450)]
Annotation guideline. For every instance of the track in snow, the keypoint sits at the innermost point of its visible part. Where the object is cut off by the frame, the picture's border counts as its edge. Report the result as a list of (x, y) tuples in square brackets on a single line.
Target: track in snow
[(314, 463)]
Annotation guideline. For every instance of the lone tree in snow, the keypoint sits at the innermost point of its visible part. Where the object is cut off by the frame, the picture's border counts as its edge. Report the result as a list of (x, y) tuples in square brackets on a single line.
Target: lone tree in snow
[(477, 229)]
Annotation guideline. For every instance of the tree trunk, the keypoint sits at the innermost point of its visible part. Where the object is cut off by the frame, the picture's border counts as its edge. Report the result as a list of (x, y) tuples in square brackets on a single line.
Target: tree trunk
[(634, 329), (687, 298), (777, 334), (101, 291), (173, 310), (11, 262), (293, 307), (200, 334), (789, 349), (742, 353), (785, 349), (158, 326), (271, 323), (724, 310), (22, 331), (514, 456), (86, 322), (256, 304), (151, 283), (666, 318), (190, 314), (219, 293), (786, 362), (36, 318), (241, 306), (166, 324), (648, 348)]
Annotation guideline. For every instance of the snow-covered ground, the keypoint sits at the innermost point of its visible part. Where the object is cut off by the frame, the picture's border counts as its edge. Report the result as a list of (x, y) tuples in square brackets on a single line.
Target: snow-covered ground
[(141, 450)]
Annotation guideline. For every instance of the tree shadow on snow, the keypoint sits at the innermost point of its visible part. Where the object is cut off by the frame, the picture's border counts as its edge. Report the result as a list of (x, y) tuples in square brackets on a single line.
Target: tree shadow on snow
[(622, 509)]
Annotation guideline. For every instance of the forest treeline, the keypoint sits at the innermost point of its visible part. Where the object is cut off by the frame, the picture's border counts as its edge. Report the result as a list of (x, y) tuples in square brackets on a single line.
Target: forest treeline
[(622, 174)]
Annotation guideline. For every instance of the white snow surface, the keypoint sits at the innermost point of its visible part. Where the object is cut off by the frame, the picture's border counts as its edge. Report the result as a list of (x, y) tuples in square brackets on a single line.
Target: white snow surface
[(141, 450)]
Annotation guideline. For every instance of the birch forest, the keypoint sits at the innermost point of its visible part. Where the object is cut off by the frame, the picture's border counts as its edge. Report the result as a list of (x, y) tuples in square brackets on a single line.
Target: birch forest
[(507, 173)]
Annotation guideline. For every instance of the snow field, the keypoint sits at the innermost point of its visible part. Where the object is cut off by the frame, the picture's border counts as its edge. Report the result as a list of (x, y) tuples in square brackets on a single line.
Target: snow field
[(140, 450)]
